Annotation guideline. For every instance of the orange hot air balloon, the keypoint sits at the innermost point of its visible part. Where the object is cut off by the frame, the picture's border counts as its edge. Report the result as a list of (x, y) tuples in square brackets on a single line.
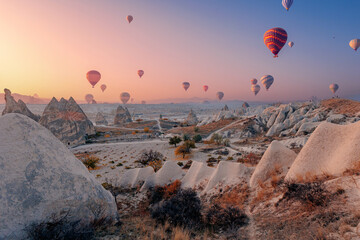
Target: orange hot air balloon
[(205, 87), (275, 40), (93, 77), (103, 87), (333, 87), (186, 85), (140, 73), (129, 18)]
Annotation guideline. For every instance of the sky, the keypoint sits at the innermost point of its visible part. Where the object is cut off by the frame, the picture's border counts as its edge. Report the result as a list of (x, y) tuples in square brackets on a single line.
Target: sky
[(47, 47)]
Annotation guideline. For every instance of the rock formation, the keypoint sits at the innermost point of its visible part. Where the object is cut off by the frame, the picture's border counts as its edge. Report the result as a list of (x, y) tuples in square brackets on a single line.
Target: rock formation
[(100, 119), (17, 107), (245, 105), (122, 116), (67, 121), (40, 178), (225, 108), (191, 118)]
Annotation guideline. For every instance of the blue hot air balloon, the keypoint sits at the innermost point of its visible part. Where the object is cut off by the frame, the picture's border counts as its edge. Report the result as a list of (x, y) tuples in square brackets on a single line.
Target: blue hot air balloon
[(287, 4)]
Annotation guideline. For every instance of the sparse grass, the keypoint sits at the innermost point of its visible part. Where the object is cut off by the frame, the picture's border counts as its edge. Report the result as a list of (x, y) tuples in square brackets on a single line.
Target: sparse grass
[(91, 161)]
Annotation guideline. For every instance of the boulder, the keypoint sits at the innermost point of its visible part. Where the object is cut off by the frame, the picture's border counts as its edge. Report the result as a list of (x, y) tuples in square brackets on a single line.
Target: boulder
[(197, 175), (307, 128), (67, 121), (336, 118), (192, 118), (40, 178), (276, 162), (100, 119), (122, 116), (275, 129), (12, 106)]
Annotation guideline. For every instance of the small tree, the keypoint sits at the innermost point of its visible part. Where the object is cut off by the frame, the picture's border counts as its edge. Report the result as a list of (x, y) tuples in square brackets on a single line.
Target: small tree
[(151, 158), (174, 140), (217, 138), (196, 129), (186, 137), (197, 138), (185, 148)]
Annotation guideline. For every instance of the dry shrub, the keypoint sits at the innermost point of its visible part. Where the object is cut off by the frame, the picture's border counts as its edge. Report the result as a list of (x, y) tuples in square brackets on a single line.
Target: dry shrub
[(181, 234), (219, 218), (91, 161), (235, 197), (146, 129), (251, 159), (354, 170), (171, 189)]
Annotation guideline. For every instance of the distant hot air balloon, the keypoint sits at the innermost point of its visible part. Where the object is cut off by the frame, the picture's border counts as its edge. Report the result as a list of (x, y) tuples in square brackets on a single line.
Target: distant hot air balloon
[(253, 81), (220, 95), (89, 98), (255, 89), (275, 40), (124, 97), (205, 87), (129, 18), (291, 44), (355, 44), (103, 87), (287, 4), (93, 77), (140, 73), (334, 87), (186, 85), (267, 81), (143, 102)]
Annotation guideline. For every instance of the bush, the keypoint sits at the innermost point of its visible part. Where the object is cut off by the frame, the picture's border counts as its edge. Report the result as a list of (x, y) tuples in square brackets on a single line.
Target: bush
[(180, 164), (187, 165), (148, 156), (185, 148), (174, 140), (159, 193), (91, 162), (146, 130), (183, 209), (196, 129), (186, 137), (217, 139), (225, 218), (197, 138)]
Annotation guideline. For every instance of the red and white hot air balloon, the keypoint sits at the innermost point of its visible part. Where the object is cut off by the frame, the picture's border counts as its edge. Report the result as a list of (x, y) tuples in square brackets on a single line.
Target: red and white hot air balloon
[(140, 73), (205, 87), (129, 18), (93, 77), (103, 87)]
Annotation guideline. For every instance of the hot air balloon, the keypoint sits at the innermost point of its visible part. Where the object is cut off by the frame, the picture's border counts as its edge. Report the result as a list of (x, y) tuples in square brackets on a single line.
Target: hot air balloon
[(129, 18), (220, 95), (140, 73), (291, 44), (287, 4), (124, 97), (93, 77), (103, 87), (253, 81), (255, 89), (186, 85), (143, 102), (334, 87), (275, 40), (89, 98), (355, 44), (205, 87), (267, 81)]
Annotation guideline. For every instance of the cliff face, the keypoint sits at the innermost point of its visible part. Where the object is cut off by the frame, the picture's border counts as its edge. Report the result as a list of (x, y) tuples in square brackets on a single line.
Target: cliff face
[(66, 120)]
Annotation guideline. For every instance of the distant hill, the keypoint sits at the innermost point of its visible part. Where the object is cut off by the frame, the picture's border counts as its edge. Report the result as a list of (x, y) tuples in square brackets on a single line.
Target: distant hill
[(27, 99)]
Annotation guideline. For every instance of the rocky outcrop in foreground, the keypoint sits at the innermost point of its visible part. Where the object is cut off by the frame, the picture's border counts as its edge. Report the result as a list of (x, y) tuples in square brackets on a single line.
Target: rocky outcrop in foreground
[(122, 116), (67, 121), (100, 119), (17, 107), (41, 179)]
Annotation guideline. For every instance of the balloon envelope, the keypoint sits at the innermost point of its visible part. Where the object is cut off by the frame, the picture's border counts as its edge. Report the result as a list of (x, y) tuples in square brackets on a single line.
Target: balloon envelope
[(103, 87), (186, 85), (334, 87), (129, 18), (275, 40), (93, 77), (291, 44), (287, 4), (355, 44), (140, 73), (255, 89), (124, 97), (220, 95), (267, 81), (89, 98), (253, 81), (205, 87)]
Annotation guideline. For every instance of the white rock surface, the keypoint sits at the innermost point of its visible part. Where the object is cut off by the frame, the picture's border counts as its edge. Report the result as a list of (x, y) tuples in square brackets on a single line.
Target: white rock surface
[(169, 172), (331, 149), (276, 161), (39, 177), (135, 177), (198, 174)]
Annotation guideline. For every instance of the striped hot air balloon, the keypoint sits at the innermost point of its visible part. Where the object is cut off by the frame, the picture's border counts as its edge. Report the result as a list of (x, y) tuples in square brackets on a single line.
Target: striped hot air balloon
[(267, 81), (253, 81), (287, 4), (275, 40)]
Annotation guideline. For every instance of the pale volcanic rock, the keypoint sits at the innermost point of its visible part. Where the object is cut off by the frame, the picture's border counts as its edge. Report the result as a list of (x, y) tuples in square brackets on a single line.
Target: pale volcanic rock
[(100, 119), (17, 107), (40, 177), (67, 121), (122, 116)]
